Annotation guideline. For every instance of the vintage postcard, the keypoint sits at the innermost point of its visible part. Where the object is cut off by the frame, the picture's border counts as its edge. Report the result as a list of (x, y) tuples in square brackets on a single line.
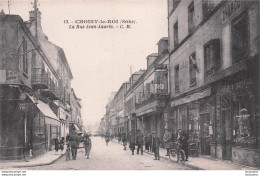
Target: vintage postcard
[(169, 85)]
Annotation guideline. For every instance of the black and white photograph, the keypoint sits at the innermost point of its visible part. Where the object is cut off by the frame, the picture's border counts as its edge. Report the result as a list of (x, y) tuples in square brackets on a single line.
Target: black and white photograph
[(129, 85)]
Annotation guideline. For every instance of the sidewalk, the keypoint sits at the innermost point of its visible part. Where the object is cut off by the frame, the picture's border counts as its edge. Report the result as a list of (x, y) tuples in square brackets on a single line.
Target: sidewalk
[(44, 159), (203, 163)]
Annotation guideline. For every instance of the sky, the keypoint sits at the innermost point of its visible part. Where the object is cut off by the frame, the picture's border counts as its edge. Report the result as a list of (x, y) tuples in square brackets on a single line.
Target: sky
[(99, 59)]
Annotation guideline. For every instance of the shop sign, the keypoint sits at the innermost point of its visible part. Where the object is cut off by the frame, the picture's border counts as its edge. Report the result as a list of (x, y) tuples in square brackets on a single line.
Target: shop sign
[(210, 130), (244, 84), (23, 106)]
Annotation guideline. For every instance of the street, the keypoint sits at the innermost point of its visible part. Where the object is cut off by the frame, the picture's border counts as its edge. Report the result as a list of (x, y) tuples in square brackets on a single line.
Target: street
[(111, 157)]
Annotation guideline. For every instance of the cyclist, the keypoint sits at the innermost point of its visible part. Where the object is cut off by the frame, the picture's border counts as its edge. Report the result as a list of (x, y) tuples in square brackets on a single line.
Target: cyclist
[(183, 140)]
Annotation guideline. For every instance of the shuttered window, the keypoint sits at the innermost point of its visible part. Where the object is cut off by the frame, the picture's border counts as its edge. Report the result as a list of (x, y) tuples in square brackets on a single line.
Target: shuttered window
[(192, 69), (212, 56), (239, 39), (176, 78)]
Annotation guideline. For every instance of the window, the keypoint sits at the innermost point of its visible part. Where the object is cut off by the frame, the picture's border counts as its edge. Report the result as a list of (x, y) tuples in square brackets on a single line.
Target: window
[(192, 65), (176, 80), (212, 56), (239, 39), (25, 58), (54, 132), (148, 88), (191, 16), (175, 29), (207, 6)]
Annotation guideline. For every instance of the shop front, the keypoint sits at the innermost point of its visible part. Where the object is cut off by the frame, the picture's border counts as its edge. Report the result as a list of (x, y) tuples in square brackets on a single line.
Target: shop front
[(237, 114), (15, 123), (185, 115)]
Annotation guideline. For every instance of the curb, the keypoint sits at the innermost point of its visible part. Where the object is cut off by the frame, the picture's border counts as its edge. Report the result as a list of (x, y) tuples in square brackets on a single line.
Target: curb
[(185, 164), (39, 164)]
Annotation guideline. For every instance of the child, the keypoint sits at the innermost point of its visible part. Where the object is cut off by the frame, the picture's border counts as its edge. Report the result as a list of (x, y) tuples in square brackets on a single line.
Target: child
[(62, 144), (57, 146), (68, 152)]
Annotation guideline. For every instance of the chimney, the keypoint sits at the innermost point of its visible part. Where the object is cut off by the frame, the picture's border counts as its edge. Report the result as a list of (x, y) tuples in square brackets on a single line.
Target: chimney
[(2, 12), (151, 58), (32, 15)]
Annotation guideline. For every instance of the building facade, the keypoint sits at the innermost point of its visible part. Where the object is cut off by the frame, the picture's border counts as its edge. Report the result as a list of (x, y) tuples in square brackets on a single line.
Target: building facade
[(34, 88), (213, 51)]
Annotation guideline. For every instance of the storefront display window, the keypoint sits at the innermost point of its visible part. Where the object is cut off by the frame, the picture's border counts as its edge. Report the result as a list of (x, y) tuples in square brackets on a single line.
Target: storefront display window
[(39, 130), (244, 123)]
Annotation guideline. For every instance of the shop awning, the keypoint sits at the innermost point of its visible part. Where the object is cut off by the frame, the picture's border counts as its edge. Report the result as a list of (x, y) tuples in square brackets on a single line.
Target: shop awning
[(192, 97), (44, 108)]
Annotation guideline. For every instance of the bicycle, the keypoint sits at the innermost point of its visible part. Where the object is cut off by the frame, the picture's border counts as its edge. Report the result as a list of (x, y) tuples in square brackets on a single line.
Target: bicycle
[(176, 150)]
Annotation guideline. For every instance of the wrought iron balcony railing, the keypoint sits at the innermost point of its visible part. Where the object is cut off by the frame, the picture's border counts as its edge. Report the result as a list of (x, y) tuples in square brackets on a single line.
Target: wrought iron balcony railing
[(39, 78)]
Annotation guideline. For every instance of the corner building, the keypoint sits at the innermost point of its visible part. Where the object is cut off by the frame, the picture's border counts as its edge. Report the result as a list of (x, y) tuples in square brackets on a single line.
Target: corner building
[(214, 73)]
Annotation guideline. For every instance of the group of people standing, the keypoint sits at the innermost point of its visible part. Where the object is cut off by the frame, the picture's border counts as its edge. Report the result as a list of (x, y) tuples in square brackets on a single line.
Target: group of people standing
[(73, 141), (152, 142), (59, 145)]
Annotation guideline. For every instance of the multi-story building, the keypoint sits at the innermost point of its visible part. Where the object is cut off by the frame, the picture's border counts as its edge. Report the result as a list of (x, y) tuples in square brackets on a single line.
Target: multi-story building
[(34, 88), (56, 56), (214, 73), (118, 120), (29, 117), (110, 114), (130, 98), (152, 92), (75, 120)]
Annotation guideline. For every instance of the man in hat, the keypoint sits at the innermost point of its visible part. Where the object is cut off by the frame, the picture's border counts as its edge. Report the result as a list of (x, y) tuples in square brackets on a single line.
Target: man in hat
[(124, 140), (132, 143), (156, 145), (167, 139), (139, 141), (74, 145), (87, 144)]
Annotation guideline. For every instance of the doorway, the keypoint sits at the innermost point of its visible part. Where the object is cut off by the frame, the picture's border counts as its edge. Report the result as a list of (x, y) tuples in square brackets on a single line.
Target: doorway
[(226, 127), (204, 133)]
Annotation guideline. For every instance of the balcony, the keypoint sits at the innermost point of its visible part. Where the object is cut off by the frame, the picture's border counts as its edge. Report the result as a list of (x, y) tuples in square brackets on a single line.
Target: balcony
[(158, 99), (52, 92), (244, 65), (39, 78)]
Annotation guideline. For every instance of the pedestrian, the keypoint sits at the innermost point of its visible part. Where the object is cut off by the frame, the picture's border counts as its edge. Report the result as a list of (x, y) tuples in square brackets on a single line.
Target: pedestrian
[(62, 141), (124, 140), (139, 141), (146, 140), (167, 139), (56, 145), (74, 145), (132, 143), (119, 137), (68, 150), (87, 144), (156, 145), (184, 141), (149, 142), (107, 138)]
